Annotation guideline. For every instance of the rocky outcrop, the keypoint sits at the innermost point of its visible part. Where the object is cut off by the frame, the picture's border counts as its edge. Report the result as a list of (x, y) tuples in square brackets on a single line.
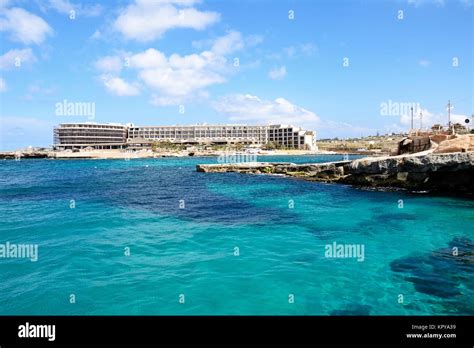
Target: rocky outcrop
[(250, 167), (461, 143), (439, 138), (331, 171), (24, 155), (452, 172), (446, 173)]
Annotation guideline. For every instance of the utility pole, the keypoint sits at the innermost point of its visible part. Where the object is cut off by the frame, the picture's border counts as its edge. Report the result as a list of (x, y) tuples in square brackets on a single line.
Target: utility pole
[(411, 119), (449, 114)]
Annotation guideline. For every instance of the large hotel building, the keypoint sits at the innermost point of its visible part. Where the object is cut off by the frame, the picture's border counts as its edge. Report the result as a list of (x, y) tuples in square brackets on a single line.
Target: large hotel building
[(117, 136)]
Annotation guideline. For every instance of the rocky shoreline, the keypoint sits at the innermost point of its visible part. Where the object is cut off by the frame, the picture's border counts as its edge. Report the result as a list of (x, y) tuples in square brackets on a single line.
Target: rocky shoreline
[(441, 173), (124, 154)]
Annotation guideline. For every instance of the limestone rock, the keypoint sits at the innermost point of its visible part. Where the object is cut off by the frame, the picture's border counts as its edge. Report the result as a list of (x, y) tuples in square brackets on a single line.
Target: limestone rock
[(445, 173), (461, 143)]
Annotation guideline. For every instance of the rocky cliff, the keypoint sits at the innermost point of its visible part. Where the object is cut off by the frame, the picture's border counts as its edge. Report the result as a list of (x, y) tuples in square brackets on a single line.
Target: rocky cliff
[(451, 172), (445, 173)]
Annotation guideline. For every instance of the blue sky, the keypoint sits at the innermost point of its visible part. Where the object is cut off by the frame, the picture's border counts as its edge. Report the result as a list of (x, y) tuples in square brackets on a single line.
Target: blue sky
[(329, 66)]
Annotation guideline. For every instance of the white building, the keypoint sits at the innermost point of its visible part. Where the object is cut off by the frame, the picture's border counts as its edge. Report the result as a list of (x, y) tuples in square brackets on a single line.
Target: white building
[(196, 134), (81, 135), (105, 136), (292, 137)]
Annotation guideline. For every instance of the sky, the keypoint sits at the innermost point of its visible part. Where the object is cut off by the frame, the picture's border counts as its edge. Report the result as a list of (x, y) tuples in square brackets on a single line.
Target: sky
[(344, 68)]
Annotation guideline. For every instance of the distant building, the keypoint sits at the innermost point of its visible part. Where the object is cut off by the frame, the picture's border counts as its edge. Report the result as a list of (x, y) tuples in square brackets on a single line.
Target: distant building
[(437, 128), (292, 137), (456, 128), (202, 134), (460, 128), (82, 135), (113, 136)]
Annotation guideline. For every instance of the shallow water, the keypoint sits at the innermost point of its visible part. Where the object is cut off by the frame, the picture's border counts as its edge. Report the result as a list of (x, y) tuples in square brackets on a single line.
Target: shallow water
[(182, 228)]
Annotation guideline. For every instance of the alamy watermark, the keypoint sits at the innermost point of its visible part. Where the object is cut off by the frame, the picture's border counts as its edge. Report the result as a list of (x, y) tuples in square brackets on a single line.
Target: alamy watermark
[(28, 330), (20, 251), (345, 251), (67, 108), (237, 158), (394, 108)]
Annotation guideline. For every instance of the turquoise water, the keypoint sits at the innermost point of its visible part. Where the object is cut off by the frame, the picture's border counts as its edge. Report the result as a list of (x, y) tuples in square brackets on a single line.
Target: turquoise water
[(190, 250)]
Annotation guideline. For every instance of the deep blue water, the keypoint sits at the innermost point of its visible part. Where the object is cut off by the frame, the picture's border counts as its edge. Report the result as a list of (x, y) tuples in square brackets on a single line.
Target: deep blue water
[(279, 225)]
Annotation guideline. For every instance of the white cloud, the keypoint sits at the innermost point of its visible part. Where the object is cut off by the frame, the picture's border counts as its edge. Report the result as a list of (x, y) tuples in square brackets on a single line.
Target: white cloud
[(308, 49), (231, 42), (253, 40), (148, 59), (177, 78), (304, 49), (38, 89), (24, 26), (96, 35), (277, 73), (429, 118), (149, 20), (23, 56), (182, 76), (157, 100), (118, 86), (65, 7), (424, 63), (290, 51), (166, 100), (3, 85), (240, 107), (458, 118), (109, 64), (228, 44), (295, 51), (4, 3)]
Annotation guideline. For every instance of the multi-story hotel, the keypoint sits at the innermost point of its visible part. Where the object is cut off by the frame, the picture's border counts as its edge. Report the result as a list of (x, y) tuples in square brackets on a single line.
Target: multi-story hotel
[(98, 136), (113, 136), (291, 137), (225, 134)]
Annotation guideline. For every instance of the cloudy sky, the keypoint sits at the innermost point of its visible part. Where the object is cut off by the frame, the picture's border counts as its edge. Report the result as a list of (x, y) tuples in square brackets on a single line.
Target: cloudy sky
[(332, 66)]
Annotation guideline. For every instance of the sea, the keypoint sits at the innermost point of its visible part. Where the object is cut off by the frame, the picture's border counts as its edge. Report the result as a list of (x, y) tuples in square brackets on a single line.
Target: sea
[(156, 237)]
